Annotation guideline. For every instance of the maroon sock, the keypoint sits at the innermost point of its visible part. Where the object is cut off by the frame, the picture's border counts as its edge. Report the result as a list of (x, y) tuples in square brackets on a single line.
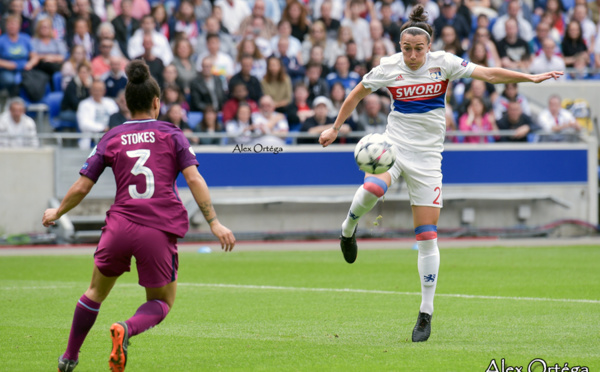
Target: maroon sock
[(147, 316), (85, 315)]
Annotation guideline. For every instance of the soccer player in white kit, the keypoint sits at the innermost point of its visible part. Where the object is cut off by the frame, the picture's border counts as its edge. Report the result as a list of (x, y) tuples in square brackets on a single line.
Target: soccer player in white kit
[(417, 80)]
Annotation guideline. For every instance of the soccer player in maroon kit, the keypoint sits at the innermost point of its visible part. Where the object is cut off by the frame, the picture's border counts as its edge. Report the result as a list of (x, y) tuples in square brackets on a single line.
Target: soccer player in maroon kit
[(145, 220)]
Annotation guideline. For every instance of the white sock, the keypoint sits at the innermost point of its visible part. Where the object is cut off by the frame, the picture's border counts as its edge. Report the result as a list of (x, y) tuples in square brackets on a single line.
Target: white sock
[(362, 203), (429, 265)]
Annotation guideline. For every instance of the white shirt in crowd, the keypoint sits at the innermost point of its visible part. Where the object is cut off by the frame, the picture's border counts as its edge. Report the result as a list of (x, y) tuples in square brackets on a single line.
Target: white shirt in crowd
[(161, 48), (234, 12), (546, 121), (541, 64), (17, 134), (93, 117)]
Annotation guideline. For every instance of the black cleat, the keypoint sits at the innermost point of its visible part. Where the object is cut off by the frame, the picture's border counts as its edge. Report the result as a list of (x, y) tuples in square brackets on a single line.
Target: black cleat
[(422, 328), (349, 247), (66, 365)]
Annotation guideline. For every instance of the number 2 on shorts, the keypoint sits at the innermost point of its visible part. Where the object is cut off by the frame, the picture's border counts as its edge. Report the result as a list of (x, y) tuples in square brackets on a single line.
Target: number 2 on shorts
[(439, 191)]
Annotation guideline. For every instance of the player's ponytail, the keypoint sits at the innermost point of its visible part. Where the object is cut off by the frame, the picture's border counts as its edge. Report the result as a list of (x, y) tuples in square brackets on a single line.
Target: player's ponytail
[(417, 20), (141, 88)]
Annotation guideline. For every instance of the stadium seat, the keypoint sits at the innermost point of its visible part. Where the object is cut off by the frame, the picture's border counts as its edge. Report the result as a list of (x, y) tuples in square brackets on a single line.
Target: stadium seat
[(53, 101), (28, 99), (56, 82), (194, 118)]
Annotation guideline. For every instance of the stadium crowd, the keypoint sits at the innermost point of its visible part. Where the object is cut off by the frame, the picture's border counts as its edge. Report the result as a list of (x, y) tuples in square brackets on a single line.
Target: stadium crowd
[(257, 69)]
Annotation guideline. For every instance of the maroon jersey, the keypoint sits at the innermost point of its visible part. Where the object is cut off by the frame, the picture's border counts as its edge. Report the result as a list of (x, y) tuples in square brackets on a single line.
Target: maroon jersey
[(146, 157)]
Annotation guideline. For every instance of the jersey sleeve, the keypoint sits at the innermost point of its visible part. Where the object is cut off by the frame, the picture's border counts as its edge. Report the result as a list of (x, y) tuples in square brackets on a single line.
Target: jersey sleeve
[(184, 152), (375, 79), (95, 164), (457, 68)]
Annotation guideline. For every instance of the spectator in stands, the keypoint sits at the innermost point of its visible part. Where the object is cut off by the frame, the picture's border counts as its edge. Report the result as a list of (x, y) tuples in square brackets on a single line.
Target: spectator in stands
[(177, 116), (182, 59), (581, 69), (391, 28), (449, 40), (478, 55), (573, 43), (376, 33), (476, 119), (296, 14), (202, 10), (299, 110), (337, 94), (258, 11), (226, 45), (69, 68), (155, 64), (172, 95), (94, 112), (16, 128), (82, 36), (161, 19), (597, 51), (15, 8), (59, 24), (77, 90), (317, 86), (52, 52), (160, 45), (139, 8), (547, 59), (106, 31), (554, 14), (239, 94), (594, 10), (169, 76), (588, 27), (478, 89), (342, 74), (244, 76), (125, 26), (206, 89), (542, 31), (450, 17), (101, 63), (482, 35), (500, 30), (513, 50), (558, 120), (514, 119), (235, 12), (338, 47), (240, 126), (210, 124), (16, 55), (115, 78), (223, 65), (331, 24), (320, 121), (123, 114), (271, 125), (184, 24), (316, 36), (284, 30), (510, 94), (277, 84), (372, 120), (358, 25), (247, 46), (82, 10)]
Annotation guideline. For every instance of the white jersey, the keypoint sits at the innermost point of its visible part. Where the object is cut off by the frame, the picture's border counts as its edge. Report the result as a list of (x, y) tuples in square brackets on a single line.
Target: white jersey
[(417, 118)]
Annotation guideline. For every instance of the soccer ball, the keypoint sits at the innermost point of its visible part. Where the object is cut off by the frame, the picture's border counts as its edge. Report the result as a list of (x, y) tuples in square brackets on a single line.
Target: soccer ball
[(374, 154)]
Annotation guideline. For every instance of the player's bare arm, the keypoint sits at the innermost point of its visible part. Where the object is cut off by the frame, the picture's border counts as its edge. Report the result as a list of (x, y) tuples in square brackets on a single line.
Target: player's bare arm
[(358, 93), (497, 75), (201, 194), (74, 196)]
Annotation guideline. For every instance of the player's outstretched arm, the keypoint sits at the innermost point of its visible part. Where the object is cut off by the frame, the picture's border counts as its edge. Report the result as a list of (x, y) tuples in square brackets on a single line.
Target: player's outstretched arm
[(74, 196), (358, 93), (201, 194), (498, 75)]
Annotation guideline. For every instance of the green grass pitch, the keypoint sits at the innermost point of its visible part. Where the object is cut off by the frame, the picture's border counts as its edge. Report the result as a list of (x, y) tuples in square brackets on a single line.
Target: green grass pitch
[(310, 311)]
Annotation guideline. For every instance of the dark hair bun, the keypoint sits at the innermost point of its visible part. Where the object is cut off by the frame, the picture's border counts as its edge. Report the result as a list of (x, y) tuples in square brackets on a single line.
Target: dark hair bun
[(418, 14), (137, 72)]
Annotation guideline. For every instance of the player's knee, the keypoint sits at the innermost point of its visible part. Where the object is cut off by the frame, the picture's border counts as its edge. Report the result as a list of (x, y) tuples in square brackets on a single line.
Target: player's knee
[(375, 186), (426, 232)]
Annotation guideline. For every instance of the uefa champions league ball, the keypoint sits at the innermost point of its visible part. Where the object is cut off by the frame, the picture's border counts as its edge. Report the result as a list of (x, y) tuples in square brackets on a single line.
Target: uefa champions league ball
[(374, 154)]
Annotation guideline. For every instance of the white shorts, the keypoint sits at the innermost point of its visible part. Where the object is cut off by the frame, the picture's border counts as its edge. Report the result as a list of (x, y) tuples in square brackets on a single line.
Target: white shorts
[(422, 172)]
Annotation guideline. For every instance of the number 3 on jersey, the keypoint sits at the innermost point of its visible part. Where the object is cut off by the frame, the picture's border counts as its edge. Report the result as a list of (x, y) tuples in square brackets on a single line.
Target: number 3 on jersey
[(143, 155)]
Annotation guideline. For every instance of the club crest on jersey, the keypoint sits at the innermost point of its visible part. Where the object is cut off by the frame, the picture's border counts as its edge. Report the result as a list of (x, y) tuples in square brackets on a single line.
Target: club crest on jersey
[(464, 63), (435, 73)]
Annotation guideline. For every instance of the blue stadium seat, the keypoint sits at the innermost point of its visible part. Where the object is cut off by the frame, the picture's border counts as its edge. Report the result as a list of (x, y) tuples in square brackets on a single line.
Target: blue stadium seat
[(194, 118), (56, 82), (53, 100), (28, 99)]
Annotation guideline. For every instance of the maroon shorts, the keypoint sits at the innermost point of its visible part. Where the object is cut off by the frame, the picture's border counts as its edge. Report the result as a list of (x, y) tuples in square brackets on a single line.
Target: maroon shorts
[(155, 251)]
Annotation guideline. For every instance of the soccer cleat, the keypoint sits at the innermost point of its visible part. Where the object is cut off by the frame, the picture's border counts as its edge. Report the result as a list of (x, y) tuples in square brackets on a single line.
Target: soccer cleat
[(349, 247), (422, 328), (66, 365), (120, 340)]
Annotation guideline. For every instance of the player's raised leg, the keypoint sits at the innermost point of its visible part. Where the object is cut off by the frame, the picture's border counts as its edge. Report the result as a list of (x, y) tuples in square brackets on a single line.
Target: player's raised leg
[(365, 198), (86, 312), (425, 221)]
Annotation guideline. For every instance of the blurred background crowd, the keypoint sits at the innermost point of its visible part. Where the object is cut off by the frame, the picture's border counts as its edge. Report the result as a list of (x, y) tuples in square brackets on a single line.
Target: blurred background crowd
[(259, 69)]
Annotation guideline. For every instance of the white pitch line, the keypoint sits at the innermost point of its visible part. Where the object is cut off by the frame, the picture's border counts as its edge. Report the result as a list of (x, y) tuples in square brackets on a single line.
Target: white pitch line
[(338, 290)]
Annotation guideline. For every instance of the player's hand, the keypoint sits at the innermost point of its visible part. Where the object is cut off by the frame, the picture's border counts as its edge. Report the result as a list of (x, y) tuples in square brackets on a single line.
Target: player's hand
[(327, 137), (548, 75), (225, 236), (50, 215)]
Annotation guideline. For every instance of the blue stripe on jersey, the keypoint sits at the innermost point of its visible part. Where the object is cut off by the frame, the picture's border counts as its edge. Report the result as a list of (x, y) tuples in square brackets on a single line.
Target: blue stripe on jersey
[(425, 228), (420, 106)]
